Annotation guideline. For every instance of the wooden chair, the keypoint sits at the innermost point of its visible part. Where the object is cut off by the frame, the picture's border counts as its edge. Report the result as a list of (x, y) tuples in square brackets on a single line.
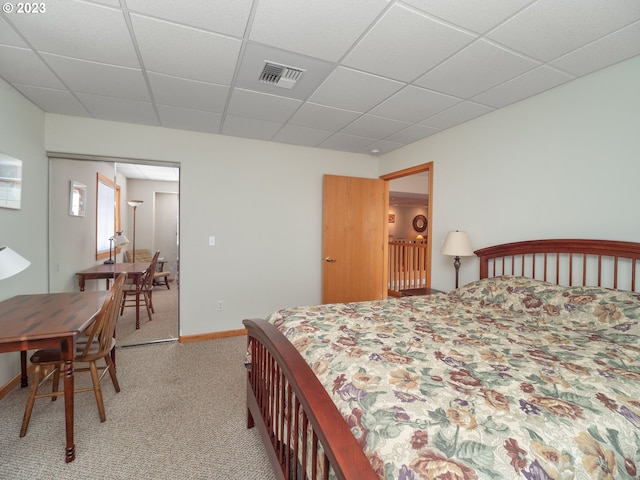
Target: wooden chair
[(160, 276), (145, 289), (97, 344)]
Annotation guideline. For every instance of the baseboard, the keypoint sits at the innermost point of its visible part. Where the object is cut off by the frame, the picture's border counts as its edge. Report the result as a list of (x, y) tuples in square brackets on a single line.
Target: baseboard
[(13, 383), (212, 336)]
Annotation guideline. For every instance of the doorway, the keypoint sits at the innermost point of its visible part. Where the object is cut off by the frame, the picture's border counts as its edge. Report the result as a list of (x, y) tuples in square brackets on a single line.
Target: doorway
[(410, 220)]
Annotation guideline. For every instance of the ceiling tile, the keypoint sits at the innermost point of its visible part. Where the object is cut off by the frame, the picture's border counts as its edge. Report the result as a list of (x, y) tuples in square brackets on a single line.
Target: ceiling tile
[(325, 29), (457, 114), (99, 79), (347, 143), (128, 111), (296, 135), (180, 92), (412, 134), (353, 90), (250, 128), (611, 49), (223, 16), (246, 103), (374, 127), (476, 68), (80, 30), (413, 104), (52, 100), (409, 42), (322, 117), (8, 36), (32, 70), (186, 119), (550, 28), (531, 83), (466, 13), (186, 52)]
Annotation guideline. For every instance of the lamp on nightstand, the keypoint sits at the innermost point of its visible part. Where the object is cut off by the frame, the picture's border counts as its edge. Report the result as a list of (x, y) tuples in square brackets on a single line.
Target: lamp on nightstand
[(457, 245), (11, 263)]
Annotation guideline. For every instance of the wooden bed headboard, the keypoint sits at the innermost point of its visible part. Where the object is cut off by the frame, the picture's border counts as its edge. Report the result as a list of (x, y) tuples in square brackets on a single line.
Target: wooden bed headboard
[(572, 262)]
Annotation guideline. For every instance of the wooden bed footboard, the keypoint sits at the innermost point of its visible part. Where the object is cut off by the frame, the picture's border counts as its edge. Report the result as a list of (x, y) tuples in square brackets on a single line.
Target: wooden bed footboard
[(299, 424)]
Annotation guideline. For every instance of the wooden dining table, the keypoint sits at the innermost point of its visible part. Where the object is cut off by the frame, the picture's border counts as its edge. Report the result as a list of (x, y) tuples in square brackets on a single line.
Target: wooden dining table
[(109, 271), (50, 320)]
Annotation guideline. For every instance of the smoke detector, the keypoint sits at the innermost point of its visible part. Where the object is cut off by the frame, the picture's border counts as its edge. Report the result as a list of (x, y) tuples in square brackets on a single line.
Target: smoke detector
[(280, 75)]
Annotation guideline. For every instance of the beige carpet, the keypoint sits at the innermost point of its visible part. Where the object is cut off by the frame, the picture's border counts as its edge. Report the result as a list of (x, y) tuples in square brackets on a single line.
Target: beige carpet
[(164, 323), (180, 415)]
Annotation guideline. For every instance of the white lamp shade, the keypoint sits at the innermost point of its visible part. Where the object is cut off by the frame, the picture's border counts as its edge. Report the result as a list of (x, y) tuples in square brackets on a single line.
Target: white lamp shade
[(457, 245), (11, 263), (121, 240)]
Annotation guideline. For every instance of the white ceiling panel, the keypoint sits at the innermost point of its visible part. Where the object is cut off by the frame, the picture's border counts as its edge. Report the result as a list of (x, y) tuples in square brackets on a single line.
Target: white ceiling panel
[(223, 16), (186, 52), (353, 90), (550, 28), (187, 119), (373, 74), (468, 13), (304, 136), (99, 79), (323, 29), (80, 30), (184, 93), (457, 114), (409, 42), (130, 111), (32, 70), (475, 69), (52, 100)]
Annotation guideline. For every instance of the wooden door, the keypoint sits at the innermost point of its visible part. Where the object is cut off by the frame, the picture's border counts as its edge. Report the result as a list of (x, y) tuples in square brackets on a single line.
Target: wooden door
[(354, 239)]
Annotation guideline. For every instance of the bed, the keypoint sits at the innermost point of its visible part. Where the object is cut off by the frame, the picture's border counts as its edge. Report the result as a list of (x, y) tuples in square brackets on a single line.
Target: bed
[(531, 372)]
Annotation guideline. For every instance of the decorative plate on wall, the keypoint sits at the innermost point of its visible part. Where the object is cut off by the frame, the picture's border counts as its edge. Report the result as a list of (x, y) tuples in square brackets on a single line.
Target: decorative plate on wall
[(420, 223)]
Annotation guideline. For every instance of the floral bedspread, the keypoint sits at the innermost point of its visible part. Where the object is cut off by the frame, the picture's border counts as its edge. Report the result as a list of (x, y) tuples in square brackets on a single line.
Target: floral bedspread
[(503, 378)]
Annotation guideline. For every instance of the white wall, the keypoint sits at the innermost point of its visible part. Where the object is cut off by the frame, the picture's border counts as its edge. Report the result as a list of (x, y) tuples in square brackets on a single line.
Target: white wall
[(24, 230), (564, 164), (262, 201)]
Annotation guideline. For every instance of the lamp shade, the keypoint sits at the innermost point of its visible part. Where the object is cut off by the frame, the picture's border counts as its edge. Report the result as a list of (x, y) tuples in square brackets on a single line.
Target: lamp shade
[(135, 203), (457, 245), (11, 263), (120, 240)]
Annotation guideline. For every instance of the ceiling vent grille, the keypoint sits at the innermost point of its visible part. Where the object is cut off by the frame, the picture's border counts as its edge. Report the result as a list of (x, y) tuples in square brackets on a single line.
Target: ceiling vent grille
[(280, 75)]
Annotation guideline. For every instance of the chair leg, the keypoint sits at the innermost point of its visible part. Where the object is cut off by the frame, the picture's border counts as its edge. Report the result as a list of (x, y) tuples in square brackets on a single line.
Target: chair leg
[(37, 375), (95, 378), (112, 373), (166, 282), (56, 382)]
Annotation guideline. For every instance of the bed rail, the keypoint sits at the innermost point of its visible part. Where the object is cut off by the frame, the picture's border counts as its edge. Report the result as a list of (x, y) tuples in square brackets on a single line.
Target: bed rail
[(606, 263), (407, 266), (293, 411)]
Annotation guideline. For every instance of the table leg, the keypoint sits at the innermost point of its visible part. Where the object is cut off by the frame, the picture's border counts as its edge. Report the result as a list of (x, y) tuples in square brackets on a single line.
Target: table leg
[(24, 378), (138, 302), (81, 282), (67, 355)]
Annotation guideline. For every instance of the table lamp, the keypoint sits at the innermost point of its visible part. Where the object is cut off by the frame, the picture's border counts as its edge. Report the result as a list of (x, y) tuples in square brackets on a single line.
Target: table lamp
[(457, 245), (11, 263), (117, 240)]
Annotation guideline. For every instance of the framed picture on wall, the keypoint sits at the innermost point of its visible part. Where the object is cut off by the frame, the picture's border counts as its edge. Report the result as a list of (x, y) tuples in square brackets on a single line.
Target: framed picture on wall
[(77, 199)]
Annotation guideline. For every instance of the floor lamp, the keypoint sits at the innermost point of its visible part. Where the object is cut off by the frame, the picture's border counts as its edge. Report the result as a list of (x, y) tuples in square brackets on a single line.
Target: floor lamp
[(457, 245), (135, 204), (11, 263)]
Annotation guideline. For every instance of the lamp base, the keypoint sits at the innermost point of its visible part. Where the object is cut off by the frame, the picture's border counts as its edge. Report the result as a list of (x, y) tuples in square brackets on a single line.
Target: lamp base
[(108, 262)]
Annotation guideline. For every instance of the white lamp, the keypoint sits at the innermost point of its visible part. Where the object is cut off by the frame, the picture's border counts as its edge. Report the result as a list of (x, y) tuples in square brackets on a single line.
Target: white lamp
[(11, 263), (117, 240), (457, 245)]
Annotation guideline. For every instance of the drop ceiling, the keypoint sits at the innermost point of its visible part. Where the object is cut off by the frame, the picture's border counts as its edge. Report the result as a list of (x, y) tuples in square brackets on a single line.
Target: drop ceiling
[(377, 74)]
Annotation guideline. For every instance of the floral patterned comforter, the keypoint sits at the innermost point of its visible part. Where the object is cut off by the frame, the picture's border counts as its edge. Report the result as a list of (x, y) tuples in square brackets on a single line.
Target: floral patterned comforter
[(503, 378)]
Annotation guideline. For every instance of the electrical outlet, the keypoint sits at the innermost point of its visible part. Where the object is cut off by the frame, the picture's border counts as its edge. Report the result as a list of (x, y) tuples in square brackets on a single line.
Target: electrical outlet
[(220, 305), (212, 241)]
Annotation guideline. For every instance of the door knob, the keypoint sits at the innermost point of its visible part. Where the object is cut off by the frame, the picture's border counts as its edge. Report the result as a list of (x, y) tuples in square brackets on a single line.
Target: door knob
[(330, 260)]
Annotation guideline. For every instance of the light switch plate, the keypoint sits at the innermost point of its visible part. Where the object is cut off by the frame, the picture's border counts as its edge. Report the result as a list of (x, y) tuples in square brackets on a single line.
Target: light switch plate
[(212, 241)]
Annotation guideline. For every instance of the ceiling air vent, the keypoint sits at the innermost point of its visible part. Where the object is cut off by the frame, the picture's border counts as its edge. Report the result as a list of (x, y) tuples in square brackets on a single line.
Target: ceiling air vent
[(280, 75)]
